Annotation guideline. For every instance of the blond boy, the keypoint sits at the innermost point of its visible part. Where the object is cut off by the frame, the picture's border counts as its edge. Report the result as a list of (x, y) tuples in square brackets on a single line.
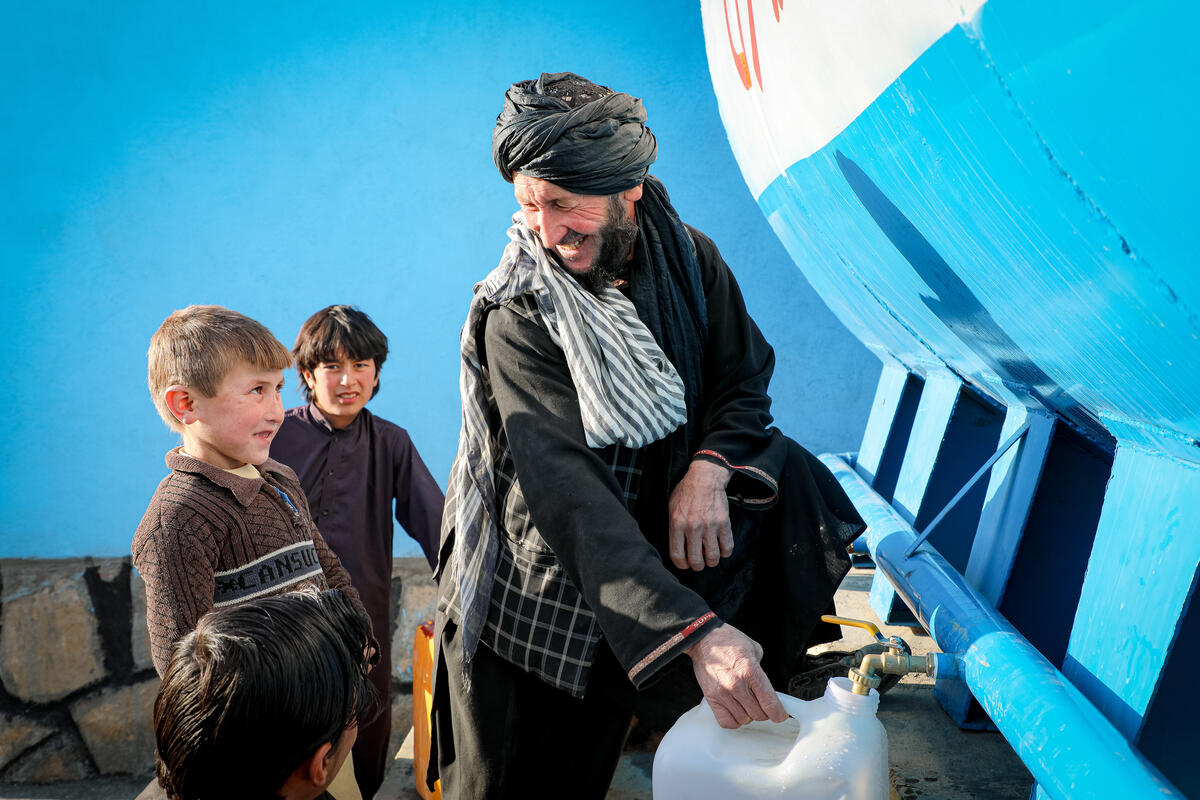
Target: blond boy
[(228, 523)]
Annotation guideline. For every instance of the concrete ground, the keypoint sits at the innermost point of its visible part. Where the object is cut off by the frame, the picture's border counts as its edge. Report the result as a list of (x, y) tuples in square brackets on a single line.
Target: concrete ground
[(930, 758)]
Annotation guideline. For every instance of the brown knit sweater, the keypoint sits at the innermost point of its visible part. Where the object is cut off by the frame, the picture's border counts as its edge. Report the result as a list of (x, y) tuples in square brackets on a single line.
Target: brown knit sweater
[(210, 538)]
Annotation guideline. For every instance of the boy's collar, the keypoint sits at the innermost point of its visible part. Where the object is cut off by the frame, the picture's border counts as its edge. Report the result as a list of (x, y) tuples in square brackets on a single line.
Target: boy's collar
[(317, 417), (243, 489)]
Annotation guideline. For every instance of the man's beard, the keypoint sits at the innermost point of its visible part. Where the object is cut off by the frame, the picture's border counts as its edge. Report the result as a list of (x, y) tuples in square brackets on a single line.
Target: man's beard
[(614, 243)]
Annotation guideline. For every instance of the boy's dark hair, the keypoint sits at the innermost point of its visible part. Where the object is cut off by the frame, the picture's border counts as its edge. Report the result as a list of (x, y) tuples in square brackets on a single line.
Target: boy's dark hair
[(256, 689), (334, 333)]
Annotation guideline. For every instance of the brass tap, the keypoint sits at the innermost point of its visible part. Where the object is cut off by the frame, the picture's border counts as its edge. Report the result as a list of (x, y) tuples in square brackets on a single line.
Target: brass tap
[(866, 677), (897, 661)]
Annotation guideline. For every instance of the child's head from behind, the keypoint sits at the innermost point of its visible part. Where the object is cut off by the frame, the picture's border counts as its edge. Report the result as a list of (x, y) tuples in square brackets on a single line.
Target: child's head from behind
[(339, 353), (196, 352), (266, 694)]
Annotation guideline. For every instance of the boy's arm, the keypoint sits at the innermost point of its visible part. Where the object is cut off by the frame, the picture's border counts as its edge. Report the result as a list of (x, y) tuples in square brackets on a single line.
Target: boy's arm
[(419, 500), (176, 555), (335, 574)]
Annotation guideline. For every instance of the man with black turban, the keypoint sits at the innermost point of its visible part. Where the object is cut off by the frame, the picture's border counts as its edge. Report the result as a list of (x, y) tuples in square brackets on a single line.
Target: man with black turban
[(618, 500)]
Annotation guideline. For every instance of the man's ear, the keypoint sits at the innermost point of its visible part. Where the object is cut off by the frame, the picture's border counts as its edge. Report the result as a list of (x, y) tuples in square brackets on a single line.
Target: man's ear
[(632, 195), (180, 403)]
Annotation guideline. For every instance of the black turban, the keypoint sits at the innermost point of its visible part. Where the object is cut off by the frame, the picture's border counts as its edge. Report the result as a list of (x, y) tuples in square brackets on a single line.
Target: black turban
[(600, 148)]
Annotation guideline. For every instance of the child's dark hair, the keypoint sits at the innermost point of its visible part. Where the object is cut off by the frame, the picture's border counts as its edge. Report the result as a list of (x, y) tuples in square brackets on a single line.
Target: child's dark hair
[(335, 333), (256, 689)]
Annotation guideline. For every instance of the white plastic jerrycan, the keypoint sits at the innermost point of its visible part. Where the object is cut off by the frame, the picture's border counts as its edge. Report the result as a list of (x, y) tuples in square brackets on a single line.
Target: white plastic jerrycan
[(831, 748)]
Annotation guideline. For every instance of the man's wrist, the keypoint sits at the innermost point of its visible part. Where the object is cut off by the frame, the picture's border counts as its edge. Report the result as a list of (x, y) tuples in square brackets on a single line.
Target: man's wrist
[(718, 474), (693, 650)]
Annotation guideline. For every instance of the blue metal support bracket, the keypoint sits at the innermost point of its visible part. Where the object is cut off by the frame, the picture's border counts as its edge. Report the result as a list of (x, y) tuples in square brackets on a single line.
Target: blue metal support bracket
[(1011, 492), (984, 470), (934, 416), (889, 395), (1070, 748)]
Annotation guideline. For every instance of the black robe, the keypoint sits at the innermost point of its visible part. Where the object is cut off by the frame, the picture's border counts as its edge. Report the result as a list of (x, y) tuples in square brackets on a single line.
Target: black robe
[(790, 518)]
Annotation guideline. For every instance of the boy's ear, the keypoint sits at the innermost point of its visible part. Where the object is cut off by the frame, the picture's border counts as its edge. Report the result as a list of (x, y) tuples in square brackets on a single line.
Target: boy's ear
[(180, 403), (308, 378), (318, 767), (312, 772)]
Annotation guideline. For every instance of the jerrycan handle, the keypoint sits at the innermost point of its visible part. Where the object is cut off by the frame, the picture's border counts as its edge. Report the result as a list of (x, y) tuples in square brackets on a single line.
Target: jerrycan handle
[(792, 705), (795, 708)]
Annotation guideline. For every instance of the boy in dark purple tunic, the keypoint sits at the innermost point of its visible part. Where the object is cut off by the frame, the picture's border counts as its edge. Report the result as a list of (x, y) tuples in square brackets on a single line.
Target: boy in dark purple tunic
[(357, 471)]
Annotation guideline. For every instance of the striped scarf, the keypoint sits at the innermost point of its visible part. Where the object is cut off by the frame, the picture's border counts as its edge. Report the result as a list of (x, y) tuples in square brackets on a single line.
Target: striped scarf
[(629, 393)]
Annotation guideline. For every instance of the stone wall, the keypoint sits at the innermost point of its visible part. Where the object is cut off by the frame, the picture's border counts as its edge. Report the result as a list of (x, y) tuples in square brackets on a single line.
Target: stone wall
[(77, 685)]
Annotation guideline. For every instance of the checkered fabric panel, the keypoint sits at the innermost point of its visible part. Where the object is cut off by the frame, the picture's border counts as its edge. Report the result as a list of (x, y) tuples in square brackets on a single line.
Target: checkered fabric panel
[(537, 619)]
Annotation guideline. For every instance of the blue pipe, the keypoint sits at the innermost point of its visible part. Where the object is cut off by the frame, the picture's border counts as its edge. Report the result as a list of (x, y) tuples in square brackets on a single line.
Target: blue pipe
[(859, 547), (1069, 747)]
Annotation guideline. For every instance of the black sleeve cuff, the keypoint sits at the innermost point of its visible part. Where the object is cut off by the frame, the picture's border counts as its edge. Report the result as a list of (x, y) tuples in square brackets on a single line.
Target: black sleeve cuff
[(660, 656), (749, 487)]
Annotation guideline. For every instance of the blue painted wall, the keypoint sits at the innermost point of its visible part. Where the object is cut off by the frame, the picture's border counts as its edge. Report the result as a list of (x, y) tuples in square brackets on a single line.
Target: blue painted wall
[(277, 157)]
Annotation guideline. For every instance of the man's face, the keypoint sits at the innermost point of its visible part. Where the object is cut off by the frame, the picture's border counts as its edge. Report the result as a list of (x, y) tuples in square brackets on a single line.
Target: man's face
[(590, 235)]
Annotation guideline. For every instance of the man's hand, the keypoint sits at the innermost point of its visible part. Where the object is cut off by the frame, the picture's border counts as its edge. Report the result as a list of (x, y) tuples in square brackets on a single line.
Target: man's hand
[(726, 663), (700, 534)]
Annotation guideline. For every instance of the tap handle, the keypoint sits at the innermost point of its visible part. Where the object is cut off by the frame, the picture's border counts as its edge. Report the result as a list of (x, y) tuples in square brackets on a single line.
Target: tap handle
[(893, 642)]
